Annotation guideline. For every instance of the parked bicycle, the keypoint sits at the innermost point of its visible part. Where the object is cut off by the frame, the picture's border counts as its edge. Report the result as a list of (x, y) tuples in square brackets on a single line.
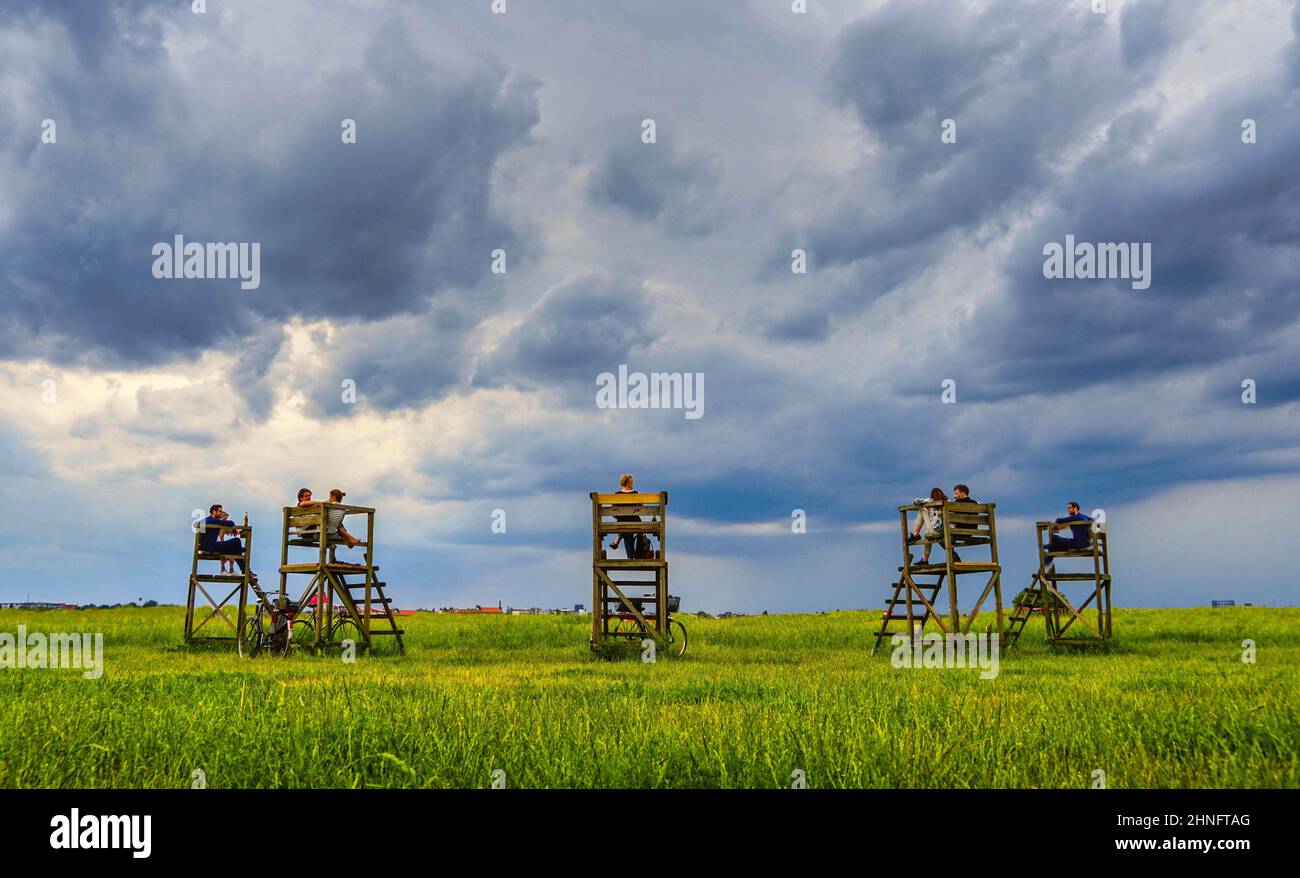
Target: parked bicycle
[(625, 624), (274, 630)]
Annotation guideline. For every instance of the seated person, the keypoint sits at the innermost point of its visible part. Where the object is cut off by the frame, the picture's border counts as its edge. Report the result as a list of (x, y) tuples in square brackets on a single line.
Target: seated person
[(961, 494), (228, 564), (929, 521), (634, 544), (212, 543), (1079, 537), (308, 531), (334, 529)]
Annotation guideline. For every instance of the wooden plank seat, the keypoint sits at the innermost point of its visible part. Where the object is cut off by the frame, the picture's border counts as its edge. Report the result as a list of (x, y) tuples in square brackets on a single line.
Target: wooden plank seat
[(634, 564), (337, 567)]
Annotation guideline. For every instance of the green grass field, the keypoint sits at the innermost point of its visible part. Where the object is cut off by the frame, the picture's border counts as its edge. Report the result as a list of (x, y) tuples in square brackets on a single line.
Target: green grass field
[(1171, 704)]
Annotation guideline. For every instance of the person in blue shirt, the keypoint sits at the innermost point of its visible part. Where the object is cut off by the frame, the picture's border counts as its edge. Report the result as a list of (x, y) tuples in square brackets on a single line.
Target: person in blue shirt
[(212, 542), (1078, 538)]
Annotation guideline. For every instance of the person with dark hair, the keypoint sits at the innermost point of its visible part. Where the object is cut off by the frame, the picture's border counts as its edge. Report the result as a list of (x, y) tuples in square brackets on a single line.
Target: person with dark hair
[(334, 528), (929, 521), (212, 543), (1078, 538), (960, 494)]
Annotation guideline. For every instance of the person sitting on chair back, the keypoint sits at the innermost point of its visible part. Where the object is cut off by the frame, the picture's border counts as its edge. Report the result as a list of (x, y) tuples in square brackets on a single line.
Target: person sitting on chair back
[(632, 543), (929, 521), (213, 544), (334, 528), (307, 532), (961, 494), (1078, 538)]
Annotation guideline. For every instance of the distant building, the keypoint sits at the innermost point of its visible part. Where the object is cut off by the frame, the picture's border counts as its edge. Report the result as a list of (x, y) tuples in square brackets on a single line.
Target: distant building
[(1223, 603)]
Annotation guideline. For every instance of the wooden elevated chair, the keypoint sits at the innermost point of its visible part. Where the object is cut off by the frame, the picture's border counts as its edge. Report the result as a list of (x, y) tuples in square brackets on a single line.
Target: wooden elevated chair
[(915, 601), (1047, 596), (345, 599), (622, 608), (238, 583)]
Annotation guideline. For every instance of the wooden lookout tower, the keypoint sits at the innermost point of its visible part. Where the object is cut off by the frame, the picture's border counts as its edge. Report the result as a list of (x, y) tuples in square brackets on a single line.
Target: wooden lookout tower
[(345, 600), (971, 527), (624, 608), (201, 579), (1047, 592)]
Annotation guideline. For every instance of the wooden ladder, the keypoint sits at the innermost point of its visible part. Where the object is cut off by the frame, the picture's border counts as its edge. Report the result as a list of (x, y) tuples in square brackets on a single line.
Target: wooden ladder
[(1023, 611), (899, 599), (381, 607)]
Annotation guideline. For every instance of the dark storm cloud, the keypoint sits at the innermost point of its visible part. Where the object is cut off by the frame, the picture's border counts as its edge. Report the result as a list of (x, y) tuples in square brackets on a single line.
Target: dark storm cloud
[(1148, 29), (1219, 214), (94, 26), (584, 326), (1021, 80), (1221, 217), (360, 231), (809, 323), (400, 363), (654, 182), (899, 64), (1293, 50)]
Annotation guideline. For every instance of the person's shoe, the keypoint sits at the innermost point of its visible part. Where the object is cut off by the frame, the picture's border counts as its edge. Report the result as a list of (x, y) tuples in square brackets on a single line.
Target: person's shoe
[(911, 538)]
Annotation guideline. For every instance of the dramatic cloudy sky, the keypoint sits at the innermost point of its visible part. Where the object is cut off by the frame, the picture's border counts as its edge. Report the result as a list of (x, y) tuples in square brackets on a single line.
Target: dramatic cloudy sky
[(522, 132)]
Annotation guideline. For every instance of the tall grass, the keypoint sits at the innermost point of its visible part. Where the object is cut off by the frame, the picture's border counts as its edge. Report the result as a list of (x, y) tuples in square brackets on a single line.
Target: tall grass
[(1170, 704)]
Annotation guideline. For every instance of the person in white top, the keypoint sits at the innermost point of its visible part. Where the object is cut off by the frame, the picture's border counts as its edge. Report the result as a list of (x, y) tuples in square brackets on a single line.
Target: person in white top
[(929, 521), (334, 519)]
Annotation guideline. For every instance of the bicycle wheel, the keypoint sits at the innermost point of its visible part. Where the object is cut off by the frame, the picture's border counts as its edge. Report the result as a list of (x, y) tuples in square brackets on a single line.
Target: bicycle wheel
[(677, 637), (250, 638), (345, 628), (304, 631), (279, 640), (626, 627)]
